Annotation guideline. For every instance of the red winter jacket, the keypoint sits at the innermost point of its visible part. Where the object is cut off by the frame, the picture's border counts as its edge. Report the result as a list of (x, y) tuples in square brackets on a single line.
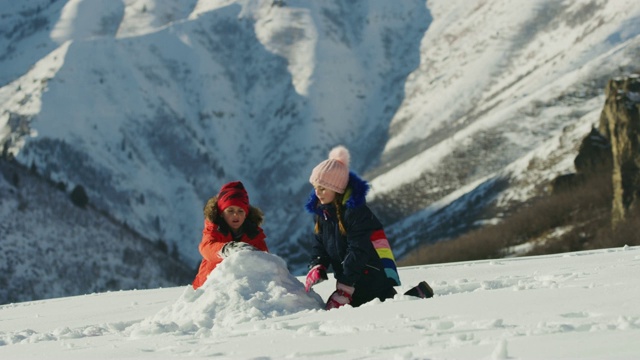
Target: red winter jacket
[(212, 242)]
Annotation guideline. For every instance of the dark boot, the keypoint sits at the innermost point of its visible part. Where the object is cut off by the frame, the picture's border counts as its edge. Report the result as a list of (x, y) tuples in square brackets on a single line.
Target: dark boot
[(422, 290)]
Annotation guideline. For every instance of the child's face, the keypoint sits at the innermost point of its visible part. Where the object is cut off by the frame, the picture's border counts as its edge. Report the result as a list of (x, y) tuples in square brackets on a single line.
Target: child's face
[(234, 216), (324, 195)]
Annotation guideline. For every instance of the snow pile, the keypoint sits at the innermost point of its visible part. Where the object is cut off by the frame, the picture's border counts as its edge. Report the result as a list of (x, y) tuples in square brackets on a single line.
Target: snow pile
[(245, 287)]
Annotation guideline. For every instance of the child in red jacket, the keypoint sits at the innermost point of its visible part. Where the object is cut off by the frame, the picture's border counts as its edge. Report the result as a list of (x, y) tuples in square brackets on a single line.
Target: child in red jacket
[(230, 225)]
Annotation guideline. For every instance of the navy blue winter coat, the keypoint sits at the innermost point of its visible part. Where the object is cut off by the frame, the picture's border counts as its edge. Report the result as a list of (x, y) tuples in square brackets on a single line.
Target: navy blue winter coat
[(362, 258)]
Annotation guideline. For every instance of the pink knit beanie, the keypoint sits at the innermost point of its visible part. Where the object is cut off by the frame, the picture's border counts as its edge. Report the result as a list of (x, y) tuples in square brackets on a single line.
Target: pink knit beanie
[(333, 173)]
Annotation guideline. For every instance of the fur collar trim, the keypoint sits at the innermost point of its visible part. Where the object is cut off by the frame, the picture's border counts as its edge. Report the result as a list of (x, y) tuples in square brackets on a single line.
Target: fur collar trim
[(354, 196)]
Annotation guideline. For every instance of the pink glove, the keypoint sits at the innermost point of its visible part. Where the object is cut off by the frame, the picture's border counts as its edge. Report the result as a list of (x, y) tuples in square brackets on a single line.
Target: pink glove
[(317, 274), (340, 297)]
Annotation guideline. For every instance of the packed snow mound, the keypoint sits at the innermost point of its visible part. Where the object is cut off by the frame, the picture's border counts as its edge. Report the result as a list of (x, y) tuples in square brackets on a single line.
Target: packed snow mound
[(245, 287)]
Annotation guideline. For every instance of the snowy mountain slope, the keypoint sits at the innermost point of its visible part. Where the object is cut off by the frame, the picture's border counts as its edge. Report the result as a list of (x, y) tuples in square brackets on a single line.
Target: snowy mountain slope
[(151, 105), (53, 248), (25, 39), (526, 91), (153, 123), (144, 16), (569, 306)]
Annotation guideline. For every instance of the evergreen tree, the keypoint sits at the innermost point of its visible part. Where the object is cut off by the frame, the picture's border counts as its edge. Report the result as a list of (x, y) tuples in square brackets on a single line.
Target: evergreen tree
[(79, 196)]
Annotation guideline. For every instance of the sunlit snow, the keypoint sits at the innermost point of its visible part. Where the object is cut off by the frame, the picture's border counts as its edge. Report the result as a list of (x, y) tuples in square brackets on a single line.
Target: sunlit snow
[(566, 306)]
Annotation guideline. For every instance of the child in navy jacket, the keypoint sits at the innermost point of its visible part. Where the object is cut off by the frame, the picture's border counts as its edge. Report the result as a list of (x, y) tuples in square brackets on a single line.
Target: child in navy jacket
[(349, 238)]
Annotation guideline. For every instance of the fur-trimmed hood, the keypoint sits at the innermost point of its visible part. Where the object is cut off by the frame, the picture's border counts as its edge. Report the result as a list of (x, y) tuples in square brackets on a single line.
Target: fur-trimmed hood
[(253, 221), (354, 196)]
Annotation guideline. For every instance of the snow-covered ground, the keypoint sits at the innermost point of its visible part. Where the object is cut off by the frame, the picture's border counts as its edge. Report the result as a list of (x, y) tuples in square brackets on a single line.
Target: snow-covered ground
[(580, 305)]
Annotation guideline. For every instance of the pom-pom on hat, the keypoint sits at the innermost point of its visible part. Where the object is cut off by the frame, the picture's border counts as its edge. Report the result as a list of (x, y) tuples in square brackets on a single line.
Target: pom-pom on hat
[(333, 173), (233, 194)]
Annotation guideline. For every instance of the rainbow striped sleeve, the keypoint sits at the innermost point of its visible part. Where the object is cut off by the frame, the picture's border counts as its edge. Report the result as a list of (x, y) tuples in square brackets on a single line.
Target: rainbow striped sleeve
[(381, 244)]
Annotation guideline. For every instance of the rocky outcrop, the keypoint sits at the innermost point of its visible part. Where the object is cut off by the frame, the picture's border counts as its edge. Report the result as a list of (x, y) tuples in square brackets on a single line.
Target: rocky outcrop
[(613, 147), (620, 124), (594, 154), (594, 157)]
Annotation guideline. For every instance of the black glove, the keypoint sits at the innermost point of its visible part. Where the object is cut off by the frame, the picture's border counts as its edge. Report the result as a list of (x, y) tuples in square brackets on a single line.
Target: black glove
[(233, 247)]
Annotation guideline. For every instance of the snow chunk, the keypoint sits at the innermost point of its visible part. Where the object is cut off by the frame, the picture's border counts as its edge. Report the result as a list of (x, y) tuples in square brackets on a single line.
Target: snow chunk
[(247, 286)]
